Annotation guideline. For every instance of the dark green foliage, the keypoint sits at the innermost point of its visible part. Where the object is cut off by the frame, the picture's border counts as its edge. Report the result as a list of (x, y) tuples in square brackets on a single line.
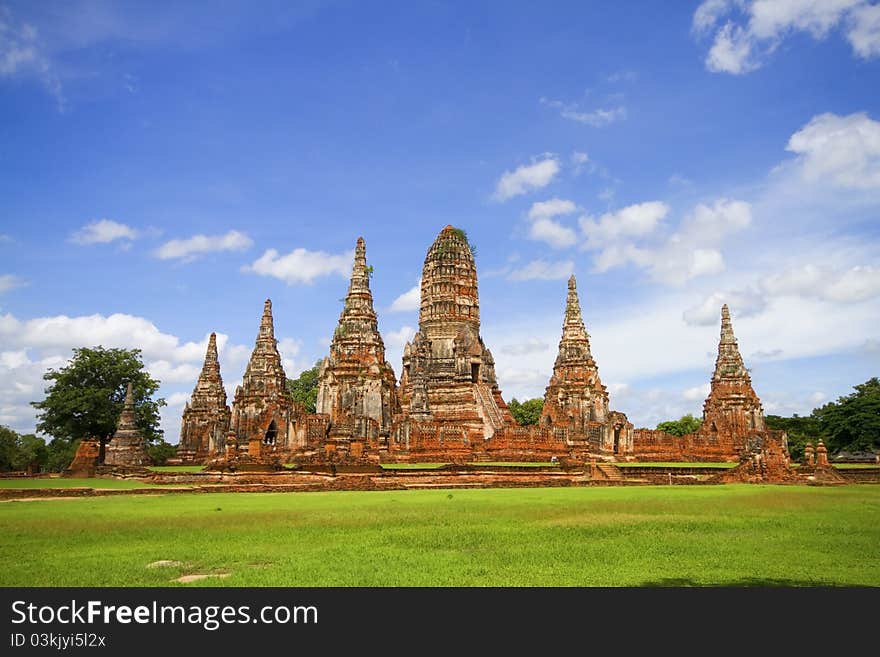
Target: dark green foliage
[(22, 451), (61, 453), (160, 452), (85, 398), (800, 430), (681, 427), (852, 423), (304, 389), (527, 412)]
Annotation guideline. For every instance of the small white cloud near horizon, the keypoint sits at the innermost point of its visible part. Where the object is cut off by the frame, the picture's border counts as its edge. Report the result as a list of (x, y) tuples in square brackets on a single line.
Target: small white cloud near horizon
[(529, 346), (192, 247), (541, 269), (301, 265), (409, 300), (697, 392), (526, 178), (103, 231), (747, 32)]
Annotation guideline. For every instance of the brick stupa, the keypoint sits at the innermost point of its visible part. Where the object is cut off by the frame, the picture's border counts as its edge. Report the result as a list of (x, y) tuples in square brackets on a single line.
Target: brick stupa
[(356, 386), (128, 447)]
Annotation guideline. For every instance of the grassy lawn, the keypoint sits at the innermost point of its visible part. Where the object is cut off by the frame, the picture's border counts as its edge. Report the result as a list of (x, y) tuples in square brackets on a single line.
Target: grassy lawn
[(177, 468), (71, 483), (671, 464), (855, 466), (413, 466), (517, 464), (673, 535)]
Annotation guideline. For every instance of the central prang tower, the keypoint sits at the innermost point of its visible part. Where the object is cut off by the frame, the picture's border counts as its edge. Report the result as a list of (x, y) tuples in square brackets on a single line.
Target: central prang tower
[(448, 373)]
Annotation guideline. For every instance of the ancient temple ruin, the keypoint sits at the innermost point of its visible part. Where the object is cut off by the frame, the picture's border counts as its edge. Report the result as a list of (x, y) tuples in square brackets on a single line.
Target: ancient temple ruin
[(128, 447), (206, 415), (448, 406), (733, 418), (575, 397), (357, 388), (448, 381), (732, 405)]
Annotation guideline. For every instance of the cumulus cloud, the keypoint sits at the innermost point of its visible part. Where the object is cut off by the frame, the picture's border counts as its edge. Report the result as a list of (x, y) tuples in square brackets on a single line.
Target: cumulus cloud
[(198, 245), (632, 221), (400, 337), (697, 392), (553, 233), (409, 300), (543, 270), (743, 303), (842, 150), (31, 347), (746, 32), (597, 118), (10, 282), (690, 252), (103, 231), (811, 281), (529, 346), (22, 54), (301, 265), (526, 178)]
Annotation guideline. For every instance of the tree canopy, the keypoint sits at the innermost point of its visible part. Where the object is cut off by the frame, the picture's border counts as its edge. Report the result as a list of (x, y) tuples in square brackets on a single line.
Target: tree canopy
[(852, 423), (681, 427), (85, 398), (304, 389), (22, 451), (527, 412)]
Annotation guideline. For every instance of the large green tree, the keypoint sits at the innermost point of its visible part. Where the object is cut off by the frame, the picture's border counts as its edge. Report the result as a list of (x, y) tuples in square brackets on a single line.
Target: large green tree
[(527, 412), (22, 451), (800, 431), (852, 423), (681, 427), (304, 389), (85, 398)]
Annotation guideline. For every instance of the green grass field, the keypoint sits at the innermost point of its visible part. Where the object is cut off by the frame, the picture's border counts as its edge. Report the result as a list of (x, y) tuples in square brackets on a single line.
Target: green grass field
[(672, 464), (177, 468), (677, 535), (412, 466)]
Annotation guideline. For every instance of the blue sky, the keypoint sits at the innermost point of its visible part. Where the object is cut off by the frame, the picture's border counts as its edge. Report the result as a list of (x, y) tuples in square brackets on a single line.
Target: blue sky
[(163, 170)]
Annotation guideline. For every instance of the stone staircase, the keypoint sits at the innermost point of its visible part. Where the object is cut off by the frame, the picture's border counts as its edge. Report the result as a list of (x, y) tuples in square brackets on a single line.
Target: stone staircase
[(487, 403), (610, 472)]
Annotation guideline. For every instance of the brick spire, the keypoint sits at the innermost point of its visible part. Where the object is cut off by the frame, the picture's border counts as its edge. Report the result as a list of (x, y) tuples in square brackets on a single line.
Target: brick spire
[(449, 286), (729, 363), (358, 325), (264, 370), (209, 389), (575, 342), (127, 418)]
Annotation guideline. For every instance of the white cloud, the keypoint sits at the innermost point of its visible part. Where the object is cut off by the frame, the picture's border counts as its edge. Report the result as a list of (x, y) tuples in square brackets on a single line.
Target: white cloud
[(22, 54), (748, 31), (197, 245), (597, 118), (399, 338), (688, 253), (33, 346), (697, 392), (632, 221), (301, 265), (529, 346), (10, 282), (552, 208), (818, 397), (810, 281), (526, 178), (843, 150), (103, 231), (542, 270), (289, 348), (409, 300), (742, 303), (864, 33), (553, 233)]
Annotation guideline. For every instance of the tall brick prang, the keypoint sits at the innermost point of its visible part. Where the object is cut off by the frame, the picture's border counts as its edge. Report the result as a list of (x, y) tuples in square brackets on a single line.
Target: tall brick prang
[(356, 386), (206, 416), (732, 406), (448, 373)]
